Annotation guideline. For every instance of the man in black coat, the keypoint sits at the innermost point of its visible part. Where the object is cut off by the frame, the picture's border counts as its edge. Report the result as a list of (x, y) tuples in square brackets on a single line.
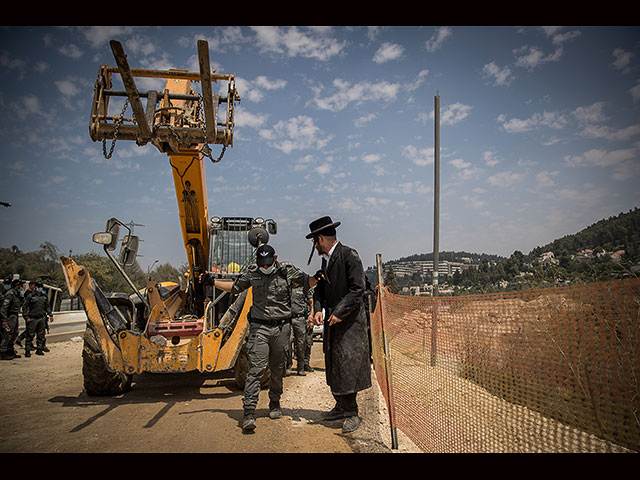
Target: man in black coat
[(345, 343)]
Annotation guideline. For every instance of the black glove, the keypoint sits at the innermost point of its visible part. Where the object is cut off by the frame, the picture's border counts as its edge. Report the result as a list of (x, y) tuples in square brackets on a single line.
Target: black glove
[(319, 275)]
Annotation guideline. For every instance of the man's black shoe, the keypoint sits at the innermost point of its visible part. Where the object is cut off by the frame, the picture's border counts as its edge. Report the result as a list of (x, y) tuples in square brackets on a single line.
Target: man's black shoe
[(275, 411), (351, 424), (333, 414)]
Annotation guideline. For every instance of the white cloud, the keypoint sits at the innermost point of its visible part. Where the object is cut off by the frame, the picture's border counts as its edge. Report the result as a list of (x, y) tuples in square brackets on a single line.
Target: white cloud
[(490, 159), (501, 76), (474, 201), (68, 88), (371, 158), (99, 36), (244, 118), (323, 169), (253, 90), (530, 58), (622, 59), (545, 178), (291, 41), (297, 133), (558, 37), (71, 51), (623, 162), (388, 51), (27, 106), (590, 114), (546, 119), (506, 179), (635, 92), (438, 38), (346, 93), (449, 114), (454, 113), (419, 156), (362, 121), (460, 164), (609, 133), (600, 158)]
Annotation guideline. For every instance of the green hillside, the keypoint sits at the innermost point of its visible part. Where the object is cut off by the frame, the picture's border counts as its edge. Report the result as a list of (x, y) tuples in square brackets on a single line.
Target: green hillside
[(607, 250)]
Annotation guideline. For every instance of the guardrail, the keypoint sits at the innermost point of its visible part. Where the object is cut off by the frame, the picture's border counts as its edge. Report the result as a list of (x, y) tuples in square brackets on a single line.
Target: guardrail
[(65, 325)]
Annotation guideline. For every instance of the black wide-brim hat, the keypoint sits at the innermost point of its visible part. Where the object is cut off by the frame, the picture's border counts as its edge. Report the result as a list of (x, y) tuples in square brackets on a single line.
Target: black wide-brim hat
[(323, 224)]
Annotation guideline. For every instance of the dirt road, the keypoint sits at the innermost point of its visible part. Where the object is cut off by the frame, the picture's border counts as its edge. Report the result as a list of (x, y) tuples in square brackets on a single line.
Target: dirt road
[(44, 409)]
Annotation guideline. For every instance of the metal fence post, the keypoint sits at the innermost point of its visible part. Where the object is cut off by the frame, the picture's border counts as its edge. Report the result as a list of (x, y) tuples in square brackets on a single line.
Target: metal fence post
[(387, 356)]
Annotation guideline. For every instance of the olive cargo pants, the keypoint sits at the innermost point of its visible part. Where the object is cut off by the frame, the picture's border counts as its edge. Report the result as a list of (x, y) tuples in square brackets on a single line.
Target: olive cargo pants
[(265, 346)]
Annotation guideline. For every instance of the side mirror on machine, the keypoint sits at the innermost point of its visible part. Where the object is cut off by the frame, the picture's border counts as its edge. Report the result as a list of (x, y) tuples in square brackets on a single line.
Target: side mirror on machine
[(113, 227), (272, 227), (129, 250)]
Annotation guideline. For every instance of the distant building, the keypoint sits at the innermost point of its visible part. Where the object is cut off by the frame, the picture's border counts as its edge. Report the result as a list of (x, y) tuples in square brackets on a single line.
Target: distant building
[(617, 256), (548, 258), (445, 267)]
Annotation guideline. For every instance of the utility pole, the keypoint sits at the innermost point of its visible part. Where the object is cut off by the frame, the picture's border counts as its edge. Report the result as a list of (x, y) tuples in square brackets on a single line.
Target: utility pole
[(436, 226), (436, 193)]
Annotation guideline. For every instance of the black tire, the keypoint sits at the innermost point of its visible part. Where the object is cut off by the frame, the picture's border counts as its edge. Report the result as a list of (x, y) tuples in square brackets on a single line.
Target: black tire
[(98, 380), (241, 369)]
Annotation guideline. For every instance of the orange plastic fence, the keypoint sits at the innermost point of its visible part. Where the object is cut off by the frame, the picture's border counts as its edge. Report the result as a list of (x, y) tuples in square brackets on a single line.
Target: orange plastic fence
[(549, 370)]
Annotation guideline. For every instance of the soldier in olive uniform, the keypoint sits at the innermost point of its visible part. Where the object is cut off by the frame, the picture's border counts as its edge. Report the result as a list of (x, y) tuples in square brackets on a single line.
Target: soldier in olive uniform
[(36, 311), (269, 325), (27, 294), (11, 304), (5, 289), (302, 332)]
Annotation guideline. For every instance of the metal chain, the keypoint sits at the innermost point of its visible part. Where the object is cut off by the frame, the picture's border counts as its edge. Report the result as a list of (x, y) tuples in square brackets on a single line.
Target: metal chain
[(119, 121), (206, 149)]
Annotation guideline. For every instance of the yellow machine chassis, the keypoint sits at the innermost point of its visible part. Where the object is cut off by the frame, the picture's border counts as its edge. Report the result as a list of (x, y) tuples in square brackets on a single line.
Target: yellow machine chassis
[(135, 353)]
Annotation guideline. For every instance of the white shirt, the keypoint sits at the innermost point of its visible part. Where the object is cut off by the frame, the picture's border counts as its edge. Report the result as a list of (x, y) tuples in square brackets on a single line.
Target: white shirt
[(327, 256)]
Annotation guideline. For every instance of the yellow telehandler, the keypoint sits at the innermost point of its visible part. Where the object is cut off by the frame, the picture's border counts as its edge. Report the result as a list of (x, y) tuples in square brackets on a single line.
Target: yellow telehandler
[(167, 327)]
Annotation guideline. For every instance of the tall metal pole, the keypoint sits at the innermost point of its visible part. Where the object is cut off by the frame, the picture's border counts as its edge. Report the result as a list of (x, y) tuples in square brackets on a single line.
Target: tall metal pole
[(436, 193), (436, 227)]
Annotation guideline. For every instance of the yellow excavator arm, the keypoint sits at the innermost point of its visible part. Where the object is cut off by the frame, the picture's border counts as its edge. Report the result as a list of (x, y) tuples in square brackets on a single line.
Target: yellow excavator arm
[(178, 121), (125, 334)]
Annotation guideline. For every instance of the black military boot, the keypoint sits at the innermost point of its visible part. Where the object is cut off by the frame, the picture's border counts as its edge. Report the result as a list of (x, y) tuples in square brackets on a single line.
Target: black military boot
[(27, 353), (249, 421), (39, 352)]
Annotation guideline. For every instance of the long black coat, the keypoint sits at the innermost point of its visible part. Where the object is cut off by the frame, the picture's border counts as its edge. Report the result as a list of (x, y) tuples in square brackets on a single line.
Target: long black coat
[(345, 344)]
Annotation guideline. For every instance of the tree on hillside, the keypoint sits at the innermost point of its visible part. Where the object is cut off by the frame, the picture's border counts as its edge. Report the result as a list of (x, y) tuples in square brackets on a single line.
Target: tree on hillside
[(166, 273), (391, 281)]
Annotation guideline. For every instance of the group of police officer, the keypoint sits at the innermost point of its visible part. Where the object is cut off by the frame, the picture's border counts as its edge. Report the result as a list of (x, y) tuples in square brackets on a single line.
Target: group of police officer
[(36, 312)]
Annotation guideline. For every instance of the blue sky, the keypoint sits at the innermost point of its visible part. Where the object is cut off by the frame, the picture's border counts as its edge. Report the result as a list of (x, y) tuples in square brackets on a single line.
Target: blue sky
[(540, 135)]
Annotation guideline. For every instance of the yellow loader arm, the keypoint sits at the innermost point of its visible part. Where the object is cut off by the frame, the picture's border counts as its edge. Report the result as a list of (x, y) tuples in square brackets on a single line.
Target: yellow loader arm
[(128, 351)]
